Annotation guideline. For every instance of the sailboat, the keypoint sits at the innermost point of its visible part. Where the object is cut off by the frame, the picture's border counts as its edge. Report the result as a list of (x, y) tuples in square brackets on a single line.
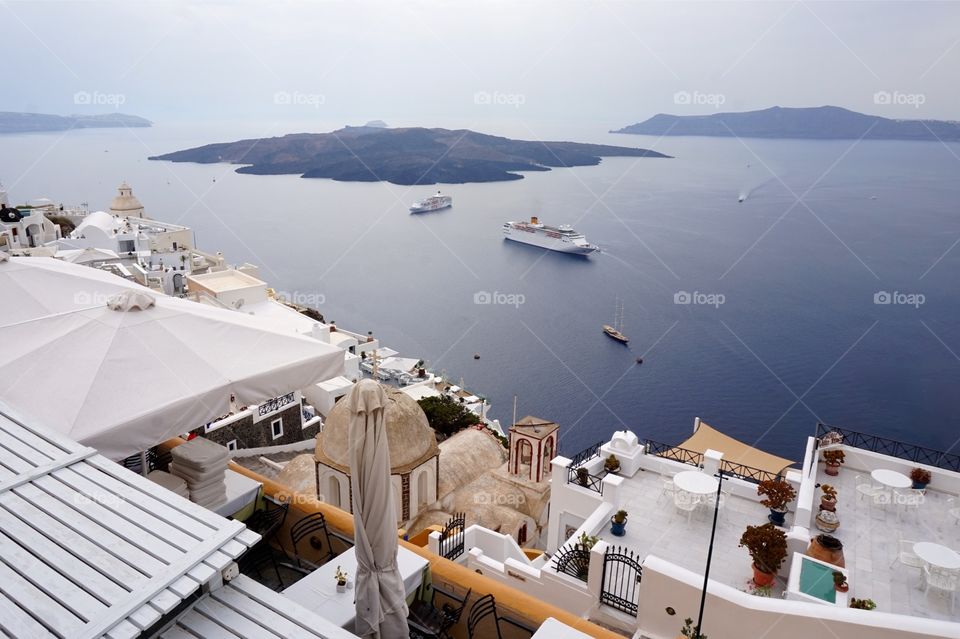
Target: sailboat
[(616, 331)]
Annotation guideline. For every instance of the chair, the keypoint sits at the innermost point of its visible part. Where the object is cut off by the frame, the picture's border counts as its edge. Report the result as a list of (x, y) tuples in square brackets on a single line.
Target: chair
[(314, 528), (685, 502), (905, 554), (953, 510), (268, 521), (426, 620), (257, 557), (482, 608), (866, 488), (942, 579), (667, 487), (908, 499)]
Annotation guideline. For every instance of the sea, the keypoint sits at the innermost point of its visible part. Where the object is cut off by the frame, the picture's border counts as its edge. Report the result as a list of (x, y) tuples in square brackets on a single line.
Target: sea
[(766, 285)]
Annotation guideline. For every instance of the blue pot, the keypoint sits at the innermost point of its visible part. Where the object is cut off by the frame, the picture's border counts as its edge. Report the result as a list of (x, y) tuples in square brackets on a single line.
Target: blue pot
[(777, 517), (919, 485), (618, 530)]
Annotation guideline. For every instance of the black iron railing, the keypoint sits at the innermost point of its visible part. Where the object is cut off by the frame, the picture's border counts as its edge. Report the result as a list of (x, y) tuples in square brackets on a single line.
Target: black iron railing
[(675, 453), (573, 560), (585, 455), (451, 538), (746, 473), (894, 448), (581, 477), (620, 586)]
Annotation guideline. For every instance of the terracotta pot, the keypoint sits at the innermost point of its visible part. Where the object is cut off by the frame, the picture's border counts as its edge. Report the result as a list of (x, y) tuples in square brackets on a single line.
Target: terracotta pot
[(761, 578), (843, 587), (828, 503), (832, 469), (827, 548)]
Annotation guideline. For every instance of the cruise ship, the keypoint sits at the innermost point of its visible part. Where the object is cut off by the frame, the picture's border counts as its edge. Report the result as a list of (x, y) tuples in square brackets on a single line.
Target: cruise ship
[(556, 238), (434, 203)]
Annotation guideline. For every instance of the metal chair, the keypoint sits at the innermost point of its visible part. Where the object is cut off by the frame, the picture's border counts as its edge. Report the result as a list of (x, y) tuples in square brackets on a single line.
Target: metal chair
[(426, 620), (685, 502), (942, 579), (866, 488), (483, 608), (907, 500), (905, 554), (259, 556), (268, 521), (953, 510), (314, 528)]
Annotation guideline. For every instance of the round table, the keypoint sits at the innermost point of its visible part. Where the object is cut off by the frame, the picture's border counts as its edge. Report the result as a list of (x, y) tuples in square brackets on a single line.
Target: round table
[(695, 482), (891, 478), (937, 555)]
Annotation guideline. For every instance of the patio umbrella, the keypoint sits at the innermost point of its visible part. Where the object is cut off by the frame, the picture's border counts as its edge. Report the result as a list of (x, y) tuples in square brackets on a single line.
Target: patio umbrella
[(129, 373), (380, 595)]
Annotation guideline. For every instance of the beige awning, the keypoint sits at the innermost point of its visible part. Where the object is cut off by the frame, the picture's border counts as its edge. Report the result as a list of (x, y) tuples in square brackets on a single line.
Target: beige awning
[(734, 450)]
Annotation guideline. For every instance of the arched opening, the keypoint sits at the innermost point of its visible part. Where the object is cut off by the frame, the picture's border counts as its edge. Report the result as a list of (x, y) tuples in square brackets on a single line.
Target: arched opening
[(524, 457), (333, 491), (423, 490), (522, 535), (547, 456)]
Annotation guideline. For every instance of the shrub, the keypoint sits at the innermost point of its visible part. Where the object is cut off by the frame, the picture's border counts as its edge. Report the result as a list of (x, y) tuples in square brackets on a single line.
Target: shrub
[(920, 475), (778, 493), (767, 546)]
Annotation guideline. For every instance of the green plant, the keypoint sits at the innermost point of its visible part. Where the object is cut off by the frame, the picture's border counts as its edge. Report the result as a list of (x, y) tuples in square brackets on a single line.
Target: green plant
[(587, 541), (829, 492), (767, 546), (759, 591), (340, 576), (689, 631), (620, 517), (920, 475), (862, 604), (611, 464), (445, 415), (778, 493), (834, 456)]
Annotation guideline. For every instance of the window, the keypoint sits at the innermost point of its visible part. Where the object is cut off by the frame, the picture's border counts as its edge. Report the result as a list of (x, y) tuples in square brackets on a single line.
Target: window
[(276, 428), (232, 444)]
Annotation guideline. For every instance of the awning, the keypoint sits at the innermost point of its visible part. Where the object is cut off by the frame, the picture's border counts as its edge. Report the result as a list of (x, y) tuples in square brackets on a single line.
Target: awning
[(734, 450)]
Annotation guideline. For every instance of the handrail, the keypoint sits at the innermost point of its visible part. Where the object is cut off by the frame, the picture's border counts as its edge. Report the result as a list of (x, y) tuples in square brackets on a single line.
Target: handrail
[(586, 454), (675, 453), (747, 473), (584, 479), (893, 448)]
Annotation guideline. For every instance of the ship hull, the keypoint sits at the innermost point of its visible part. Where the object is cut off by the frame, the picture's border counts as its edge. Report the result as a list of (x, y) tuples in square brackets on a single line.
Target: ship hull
[(553, 244), (430, 209)]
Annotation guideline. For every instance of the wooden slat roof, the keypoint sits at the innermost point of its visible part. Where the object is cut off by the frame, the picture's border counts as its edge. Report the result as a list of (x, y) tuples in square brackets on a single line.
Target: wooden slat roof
[(89, 549)]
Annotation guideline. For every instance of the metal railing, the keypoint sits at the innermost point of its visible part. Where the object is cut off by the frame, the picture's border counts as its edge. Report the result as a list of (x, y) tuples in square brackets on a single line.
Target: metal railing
[(585, 455), (573, 560), (747, 473), (620, 586), (675, 453), (451, 538), (893, 448), (581, 477)]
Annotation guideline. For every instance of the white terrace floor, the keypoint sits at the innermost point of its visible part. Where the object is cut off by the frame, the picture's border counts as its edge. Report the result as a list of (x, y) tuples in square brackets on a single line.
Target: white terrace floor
[(869, 533)]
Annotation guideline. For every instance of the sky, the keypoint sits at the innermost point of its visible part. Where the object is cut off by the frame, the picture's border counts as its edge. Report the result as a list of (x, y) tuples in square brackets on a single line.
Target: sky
[(446, 63)]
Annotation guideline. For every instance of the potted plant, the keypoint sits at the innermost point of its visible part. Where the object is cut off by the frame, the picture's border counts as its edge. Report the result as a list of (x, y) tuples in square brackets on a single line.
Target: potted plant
[(618, 523), (587, 541), (689, 631), (862, 604), (767, 546), (827, 521), (341, 578), (833, 459), (778, 494), (920, 477), (828, 501), (840, 582), (827, 548), (611, 464), (583, 476)]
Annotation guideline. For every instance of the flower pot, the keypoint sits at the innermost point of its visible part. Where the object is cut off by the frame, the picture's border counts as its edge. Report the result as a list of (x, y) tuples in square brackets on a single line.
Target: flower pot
[(618, 530), (844, 587), (777, 517), (919, 485), (828, 503), (832, 469), (342, 587), (827, 521), (827, 548), (761, 578)]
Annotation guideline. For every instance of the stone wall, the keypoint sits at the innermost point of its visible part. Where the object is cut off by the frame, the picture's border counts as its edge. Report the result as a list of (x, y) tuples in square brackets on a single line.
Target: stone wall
[(255, 435)]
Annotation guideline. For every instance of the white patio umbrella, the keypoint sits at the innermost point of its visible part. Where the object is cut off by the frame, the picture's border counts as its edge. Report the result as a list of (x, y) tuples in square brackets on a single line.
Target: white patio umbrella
[(125, 376), (86, 255), (380, 595)]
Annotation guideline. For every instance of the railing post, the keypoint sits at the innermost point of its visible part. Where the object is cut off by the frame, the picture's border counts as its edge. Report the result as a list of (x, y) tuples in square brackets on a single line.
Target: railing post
[(611, 490), (558, 480), (433, 542), (595, 578)]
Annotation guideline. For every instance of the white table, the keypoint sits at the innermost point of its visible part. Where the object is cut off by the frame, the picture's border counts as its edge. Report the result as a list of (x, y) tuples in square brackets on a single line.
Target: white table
[(937, 555), (553, 629), (891, 478), (695, 482), (318, 590), (241, 492)]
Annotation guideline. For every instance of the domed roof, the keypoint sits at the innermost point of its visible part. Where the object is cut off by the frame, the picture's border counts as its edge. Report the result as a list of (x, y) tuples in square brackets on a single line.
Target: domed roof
[(409, 435), (125, 201)]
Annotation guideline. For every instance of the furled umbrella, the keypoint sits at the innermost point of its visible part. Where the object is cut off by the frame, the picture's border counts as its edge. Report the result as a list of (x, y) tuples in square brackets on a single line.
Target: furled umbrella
[(380, 595)]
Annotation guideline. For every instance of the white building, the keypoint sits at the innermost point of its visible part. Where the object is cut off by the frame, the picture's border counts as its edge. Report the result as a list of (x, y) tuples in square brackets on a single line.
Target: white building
[(25, 228)]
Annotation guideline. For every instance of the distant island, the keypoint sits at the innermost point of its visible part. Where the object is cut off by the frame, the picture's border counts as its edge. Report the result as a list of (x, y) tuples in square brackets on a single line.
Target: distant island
[(13, 122), (402, 156), (819, 123)]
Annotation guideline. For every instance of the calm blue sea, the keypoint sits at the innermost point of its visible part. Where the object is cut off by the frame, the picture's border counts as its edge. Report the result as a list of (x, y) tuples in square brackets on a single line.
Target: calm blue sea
[(825, 226)]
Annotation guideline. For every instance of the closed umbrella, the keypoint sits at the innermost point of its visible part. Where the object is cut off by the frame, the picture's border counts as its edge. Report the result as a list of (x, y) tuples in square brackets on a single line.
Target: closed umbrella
[(380, 595)]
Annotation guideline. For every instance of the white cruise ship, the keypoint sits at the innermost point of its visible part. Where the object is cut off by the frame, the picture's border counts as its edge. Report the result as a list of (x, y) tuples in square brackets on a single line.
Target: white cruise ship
[(434, 203), (556, 238)]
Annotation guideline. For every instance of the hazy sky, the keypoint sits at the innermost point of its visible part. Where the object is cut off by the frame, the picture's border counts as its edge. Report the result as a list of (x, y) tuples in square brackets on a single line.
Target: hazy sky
[(428, 62)]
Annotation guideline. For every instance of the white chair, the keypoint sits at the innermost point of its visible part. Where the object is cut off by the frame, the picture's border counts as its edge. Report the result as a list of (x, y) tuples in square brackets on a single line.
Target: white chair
[(953, 510), (685, 502), (942, 579), (907, 500), (712, 499), (866, 488), (667, 487), (906, 556)]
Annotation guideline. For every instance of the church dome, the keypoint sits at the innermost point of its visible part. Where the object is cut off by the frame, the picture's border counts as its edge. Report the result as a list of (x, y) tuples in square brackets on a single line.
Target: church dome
[(126, 203), (409, 435)]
